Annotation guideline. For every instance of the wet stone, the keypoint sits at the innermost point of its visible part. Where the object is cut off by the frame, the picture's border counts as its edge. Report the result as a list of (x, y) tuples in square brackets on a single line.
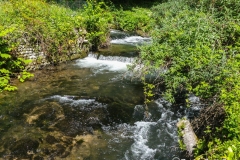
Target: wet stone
[(60, 149), (44, 116), (97, 117), (94, 122), (120, 113), (24, 146), (65, 154), (9, 143), (90, 130), (51, 140), (105, 99), (70, 127), (38, 158), (46, 151)]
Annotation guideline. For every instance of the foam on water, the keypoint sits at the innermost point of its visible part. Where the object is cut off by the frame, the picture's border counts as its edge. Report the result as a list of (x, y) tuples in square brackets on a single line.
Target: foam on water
[(102, 65), (75, 102), (112, 58), (140, 150), (153, 137), (132, 40), (195, 106), (112, 31), (116, 34)]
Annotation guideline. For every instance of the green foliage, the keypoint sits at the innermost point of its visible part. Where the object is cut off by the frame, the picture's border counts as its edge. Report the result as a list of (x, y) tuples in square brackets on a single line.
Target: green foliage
[(24, 75), (196, 50), (133, 20), (185, 46), (148, 92), (97, 18), (181, 144), (47, 28), (219, 8), (200, 149), (229, 150), (9, 64), (181, 126)]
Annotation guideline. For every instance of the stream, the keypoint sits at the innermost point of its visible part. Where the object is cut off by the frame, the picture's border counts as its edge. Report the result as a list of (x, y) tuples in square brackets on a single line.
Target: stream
[(88, 109)]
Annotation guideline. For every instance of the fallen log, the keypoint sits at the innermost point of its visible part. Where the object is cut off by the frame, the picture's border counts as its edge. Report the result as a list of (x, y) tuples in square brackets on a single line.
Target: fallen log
[(187, 135)]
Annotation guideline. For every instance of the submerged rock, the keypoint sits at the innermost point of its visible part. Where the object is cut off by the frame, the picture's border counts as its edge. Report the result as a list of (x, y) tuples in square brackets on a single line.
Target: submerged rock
[(25, 147), (51, 139), (119, 112), (70, 127)]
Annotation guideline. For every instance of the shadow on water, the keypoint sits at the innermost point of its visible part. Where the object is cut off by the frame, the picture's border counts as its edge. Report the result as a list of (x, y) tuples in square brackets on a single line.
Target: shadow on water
[(86, 109)]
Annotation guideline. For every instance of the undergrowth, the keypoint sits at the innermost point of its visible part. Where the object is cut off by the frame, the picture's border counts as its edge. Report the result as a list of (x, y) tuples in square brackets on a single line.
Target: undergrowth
[(195, 50), (57, 31)]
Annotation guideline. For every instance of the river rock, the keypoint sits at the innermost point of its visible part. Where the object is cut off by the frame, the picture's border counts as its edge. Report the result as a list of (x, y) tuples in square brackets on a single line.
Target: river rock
[(25, 146), (119, 112), (51, 139), (70, 127)]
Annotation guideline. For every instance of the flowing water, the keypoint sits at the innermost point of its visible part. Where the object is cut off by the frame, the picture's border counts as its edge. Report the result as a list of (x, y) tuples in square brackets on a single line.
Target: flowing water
[(88, 109)]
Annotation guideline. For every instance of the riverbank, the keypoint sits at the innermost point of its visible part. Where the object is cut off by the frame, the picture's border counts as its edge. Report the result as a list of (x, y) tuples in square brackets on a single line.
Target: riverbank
[(36, 33), (196, 45)]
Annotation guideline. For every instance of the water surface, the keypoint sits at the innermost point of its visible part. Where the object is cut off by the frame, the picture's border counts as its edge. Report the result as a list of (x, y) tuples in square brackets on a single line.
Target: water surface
[(88, 109)]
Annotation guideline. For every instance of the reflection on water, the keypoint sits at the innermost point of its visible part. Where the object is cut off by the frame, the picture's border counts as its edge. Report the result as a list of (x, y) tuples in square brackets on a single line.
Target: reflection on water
[(86, 109)]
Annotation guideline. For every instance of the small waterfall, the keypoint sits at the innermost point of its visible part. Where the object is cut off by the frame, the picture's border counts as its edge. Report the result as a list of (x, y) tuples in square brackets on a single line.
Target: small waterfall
[(139, 149), (132, 40), (116, 34), (119, 37), (112, 58), (104, 63)]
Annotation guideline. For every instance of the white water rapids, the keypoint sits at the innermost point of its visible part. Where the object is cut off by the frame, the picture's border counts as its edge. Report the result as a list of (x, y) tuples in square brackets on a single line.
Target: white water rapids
[(151, 138), (148, 138)]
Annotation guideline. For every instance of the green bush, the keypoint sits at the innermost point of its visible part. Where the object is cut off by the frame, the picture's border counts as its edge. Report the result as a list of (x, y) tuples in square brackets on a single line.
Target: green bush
[(45, 27), (186, 45), (10, 65), (196, 51), (228, 9), (133, 20), (97, 19)]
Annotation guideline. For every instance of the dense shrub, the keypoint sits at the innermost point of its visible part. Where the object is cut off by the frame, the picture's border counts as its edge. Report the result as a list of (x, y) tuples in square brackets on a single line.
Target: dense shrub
[(97, 19), (10, 65), (195, 50), (186, 43), (220, 8), (133, 20), (50, 29)]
